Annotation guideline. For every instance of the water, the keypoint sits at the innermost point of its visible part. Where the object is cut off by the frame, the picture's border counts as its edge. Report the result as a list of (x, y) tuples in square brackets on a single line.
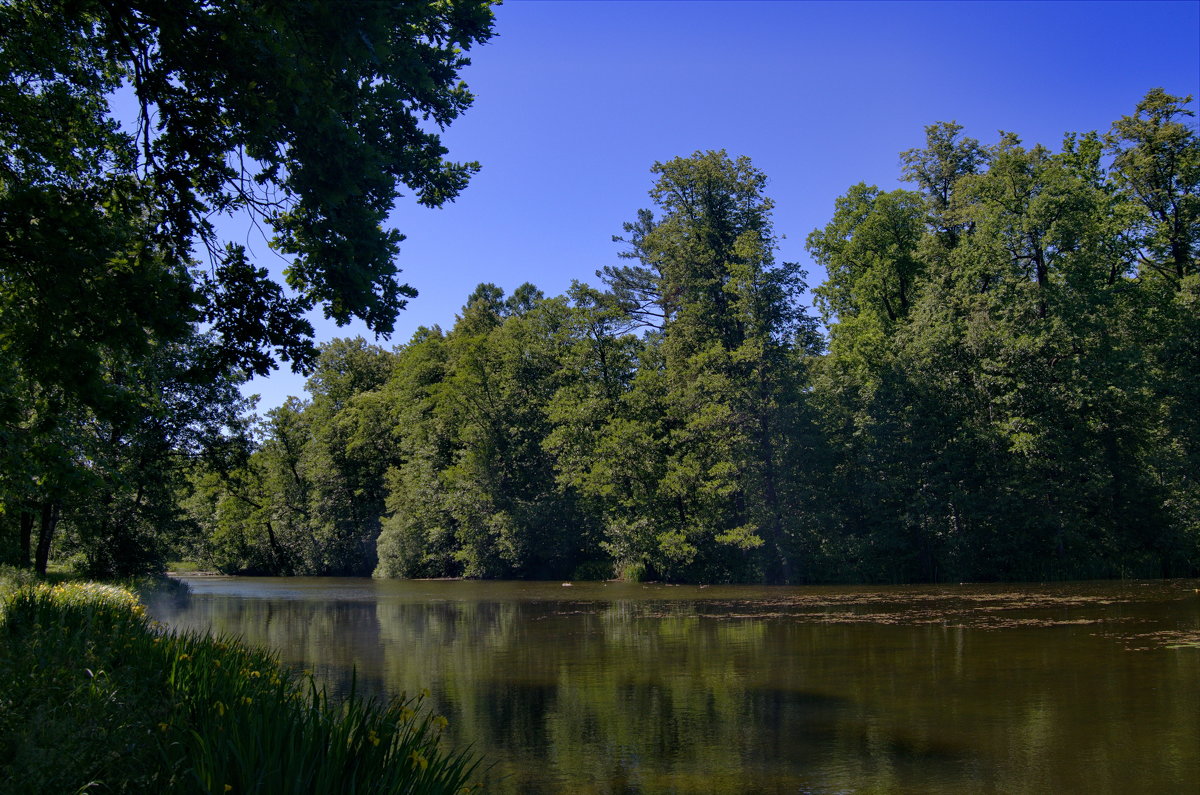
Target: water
[(608, 687)]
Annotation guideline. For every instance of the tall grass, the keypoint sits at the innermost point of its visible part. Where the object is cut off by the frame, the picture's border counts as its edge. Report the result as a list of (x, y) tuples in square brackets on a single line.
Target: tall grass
[(92, 698)]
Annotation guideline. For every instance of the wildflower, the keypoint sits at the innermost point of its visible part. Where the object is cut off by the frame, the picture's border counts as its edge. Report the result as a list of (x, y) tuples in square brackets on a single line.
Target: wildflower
[(228, 787), (247, 700), (418, 760), (217, 663), (255, 674), (372, 737), (220, 708), (440, 722), (162, 727)]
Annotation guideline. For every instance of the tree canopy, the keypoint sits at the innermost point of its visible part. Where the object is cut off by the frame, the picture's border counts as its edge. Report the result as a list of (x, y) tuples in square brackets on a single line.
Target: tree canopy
[(305, 118), (1004, 387), (1005, 390)]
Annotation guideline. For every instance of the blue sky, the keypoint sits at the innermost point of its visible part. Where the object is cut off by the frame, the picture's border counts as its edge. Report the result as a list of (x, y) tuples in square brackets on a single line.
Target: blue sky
[(575, 101)]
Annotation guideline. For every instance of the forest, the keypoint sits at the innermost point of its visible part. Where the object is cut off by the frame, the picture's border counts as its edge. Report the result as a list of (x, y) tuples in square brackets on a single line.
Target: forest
[(1001, 384), (997, 380)]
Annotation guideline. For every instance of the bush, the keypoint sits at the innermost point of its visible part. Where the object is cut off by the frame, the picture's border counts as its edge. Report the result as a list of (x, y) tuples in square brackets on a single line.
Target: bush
[(633, 572)]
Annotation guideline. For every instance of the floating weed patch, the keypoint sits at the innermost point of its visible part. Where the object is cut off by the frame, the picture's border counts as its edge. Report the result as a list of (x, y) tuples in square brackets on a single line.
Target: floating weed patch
[(92, 697), (1164, 639)]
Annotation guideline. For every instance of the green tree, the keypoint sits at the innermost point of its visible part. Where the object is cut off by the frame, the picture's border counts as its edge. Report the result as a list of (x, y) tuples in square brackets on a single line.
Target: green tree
[(475, 490), (936, 170), (1156, 161), (1014, 422), (123, 518), (418, 536), (348, 452), (731, 321), (870, 255), (310, 118)]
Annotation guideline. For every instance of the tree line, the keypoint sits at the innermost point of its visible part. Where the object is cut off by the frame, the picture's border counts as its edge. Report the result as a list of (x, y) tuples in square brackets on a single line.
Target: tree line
[(1001, 384)]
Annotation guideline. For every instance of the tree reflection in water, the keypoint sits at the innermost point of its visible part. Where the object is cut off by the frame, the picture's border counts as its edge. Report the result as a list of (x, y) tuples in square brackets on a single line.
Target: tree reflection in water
[(613, 688)]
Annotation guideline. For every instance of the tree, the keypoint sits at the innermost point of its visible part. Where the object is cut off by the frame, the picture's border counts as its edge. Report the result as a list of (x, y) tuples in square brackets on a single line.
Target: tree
[(1156, 160), (310, 118), (936, 170), (1020, 419), (123, 516), (730, 322), (474, 492), (348, 452), (110, 478), (870, 254)]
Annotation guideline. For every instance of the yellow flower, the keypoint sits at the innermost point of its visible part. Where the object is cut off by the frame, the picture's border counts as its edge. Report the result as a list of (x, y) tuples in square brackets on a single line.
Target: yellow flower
[(419, 760), (220, 708), (372, 737), (440, 722), (162, 727), (247, 700), (228, 787)]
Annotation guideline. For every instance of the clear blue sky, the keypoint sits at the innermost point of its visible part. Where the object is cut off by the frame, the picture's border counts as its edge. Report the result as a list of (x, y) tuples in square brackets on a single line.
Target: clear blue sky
[(575, 101)]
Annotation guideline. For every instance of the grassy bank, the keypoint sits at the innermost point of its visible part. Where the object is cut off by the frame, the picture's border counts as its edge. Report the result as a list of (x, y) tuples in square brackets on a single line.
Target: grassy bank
[(93, 698)]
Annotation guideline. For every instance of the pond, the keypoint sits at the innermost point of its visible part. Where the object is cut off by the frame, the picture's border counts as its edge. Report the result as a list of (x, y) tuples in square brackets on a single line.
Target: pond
[(618, 687)]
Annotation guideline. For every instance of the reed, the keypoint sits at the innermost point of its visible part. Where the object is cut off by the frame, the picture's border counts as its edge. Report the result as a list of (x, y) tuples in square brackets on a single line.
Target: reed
[(93, 697)]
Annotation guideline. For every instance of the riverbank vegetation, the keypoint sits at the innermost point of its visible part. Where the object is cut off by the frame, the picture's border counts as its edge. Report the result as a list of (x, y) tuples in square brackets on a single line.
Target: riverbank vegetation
[(93, 697), (998, 380), (1005, 389)]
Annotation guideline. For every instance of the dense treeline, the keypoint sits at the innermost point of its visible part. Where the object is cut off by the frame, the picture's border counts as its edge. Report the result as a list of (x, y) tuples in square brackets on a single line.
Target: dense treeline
[(1007, 389)]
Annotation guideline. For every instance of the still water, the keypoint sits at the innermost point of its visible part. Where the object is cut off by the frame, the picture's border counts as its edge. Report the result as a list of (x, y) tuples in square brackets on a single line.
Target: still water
[(611, 687)]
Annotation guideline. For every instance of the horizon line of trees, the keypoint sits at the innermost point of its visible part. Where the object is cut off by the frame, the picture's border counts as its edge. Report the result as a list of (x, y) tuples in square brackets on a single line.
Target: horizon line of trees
[(1006, 388)]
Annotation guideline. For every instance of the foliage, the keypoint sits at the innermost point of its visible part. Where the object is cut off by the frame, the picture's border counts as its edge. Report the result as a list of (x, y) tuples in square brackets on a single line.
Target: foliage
[(92, 696), (126, 132), (1009, 424), (1007, 392), (310, 117)]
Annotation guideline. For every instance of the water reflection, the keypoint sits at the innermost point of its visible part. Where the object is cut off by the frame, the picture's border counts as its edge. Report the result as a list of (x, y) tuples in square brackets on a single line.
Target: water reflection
[(618, 688)]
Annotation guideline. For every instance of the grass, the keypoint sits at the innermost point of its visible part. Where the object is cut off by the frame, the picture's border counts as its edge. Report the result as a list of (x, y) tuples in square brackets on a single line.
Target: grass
[(184, 566), (95, 699)]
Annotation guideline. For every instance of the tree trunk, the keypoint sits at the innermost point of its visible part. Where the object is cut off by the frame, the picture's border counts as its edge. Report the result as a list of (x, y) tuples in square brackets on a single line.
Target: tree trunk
[(24, 560), (283, 564), (50, 514), (1043, 279)]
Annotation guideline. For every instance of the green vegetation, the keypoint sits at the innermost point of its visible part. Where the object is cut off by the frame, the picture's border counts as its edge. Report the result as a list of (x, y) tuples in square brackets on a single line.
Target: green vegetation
[(93, 697), (126, 321), (1006, 390), (1004, 387)]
